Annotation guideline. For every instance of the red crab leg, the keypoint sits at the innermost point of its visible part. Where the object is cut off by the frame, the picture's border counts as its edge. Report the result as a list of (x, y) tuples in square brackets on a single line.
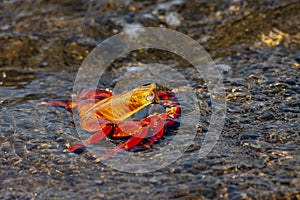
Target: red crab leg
[(93, 139), (172, 106), (98, 94), (64, 104), (126, 128), (95, 94), (147, 123), (129, 144), (102, 128), (159, 129), (133, 141)]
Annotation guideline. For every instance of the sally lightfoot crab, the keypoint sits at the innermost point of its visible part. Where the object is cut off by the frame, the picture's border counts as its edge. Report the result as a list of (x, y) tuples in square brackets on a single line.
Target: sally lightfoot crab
[(121, 115)]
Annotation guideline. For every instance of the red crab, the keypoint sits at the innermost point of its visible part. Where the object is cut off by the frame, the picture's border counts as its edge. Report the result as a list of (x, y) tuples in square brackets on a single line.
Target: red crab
[(114, 116)]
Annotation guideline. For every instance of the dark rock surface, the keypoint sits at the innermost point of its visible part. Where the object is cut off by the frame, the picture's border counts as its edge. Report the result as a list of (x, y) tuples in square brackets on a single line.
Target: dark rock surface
[(257, 156)]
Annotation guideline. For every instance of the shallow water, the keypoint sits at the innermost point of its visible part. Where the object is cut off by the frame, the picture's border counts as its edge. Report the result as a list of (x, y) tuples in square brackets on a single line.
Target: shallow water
[(257, 154)]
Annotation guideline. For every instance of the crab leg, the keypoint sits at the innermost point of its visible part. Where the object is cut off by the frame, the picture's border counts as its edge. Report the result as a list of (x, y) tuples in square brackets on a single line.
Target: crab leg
[(65, 104), (93, 139), (156, 120), (159, 129), (132, 142), (92, 125), (172, 106), (102, 128), (98, 94)]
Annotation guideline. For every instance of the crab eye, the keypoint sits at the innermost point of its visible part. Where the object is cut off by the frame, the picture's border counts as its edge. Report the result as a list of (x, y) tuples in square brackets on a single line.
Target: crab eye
[(150, 97)]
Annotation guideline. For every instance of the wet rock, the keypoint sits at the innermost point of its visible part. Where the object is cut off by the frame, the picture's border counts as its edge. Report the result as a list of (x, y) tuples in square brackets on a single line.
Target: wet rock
[(248, 135), (274, 59), (280, 85), (260, 137), (175, 170), (234, 192), (289, 109), (60, 139), (259, 146), (154, 180), (148, 19), (291, 81), (98, 182), (294, 103), (267, 115), (130, 17), (297, 58)]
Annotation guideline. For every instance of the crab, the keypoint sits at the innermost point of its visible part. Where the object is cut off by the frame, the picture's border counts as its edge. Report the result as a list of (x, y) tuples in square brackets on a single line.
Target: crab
[(121, 116)]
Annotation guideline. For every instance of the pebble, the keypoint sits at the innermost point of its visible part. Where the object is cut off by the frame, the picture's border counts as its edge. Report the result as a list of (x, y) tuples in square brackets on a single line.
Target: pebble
[(60, 139), (248, 135), (267, 116), (98, 182)]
